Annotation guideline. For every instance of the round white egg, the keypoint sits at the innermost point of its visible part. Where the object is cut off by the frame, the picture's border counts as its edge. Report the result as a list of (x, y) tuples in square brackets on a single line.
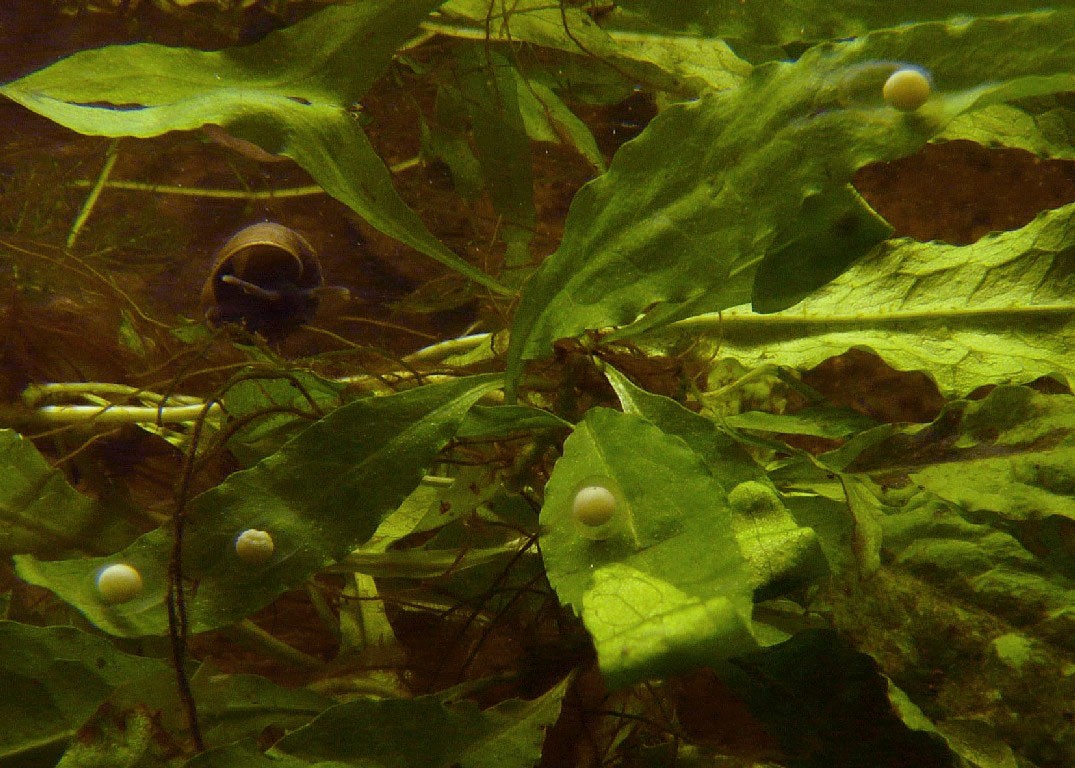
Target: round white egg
[(594, 506), (254, 547), (906, 89), (119, 583)]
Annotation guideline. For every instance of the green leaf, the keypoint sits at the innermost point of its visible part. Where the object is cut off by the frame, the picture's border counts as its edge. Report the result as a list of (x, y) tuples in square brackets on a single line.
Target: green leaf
[(689, 209), (953, 590), (41, 514), (1008, 460), (833, 231), (232, 707), (290, 94), (428, 731), (968, 523), (783, 555), (548, 118), (680, 65), (274, 409), (999, 310), (56, 677), (497, 421), (816, 421), (779, 22), (1046, 133), (489, 87), (245, 754), (669, 589), (724, 456), (1015, 457), (320, 496)]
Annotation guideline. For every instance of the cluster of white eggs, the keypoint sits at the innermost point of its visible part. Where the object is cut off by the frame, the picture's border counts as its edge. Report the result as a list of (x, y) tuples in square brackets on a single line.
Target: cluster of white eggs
[(120, 582)]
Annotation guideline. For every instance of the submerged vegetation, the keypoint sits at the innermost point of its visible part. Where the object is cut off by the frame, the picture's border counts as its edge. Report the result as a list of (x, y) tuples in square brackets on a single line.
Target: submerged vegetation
[(637, 383)]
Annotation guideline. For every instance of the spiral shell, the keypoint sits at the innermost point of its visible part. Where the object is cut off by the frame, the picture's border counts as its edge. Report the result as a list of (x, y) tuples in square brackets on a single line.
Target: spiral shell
[(267, 278)]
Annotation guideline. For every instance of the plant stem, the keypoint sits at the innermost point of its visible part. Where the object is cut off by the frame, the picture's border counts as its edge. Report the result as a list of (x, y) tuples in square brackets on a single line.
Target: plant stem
[(95, 192), (249, 631), (205, 192), (122, 414)]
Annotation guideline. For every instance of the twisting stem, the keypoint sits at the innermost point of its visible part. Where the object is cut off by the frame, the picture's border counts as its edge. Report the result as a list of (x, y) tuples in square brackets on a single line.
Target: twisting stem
[(177, 608)]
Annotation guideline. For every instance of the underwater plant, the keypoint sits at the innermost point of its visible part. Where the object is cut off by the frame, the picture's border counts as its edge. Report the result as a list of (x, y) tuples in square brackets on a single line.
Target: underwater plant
[(642, 434)]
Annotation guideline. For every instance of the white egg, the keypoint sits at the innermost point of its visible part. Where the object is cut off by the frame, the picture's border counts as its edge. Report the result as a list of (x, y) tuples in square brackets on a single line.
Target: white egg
[(594, 505), (119, 583), (254, 547), (906, 89)]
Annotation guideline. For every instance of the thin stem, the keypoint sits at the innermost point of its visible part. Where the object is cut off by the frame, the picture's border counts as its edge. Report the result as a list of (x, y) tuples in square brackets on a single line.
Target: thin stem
[(95, 192), (102, 182), (251, 632), (205, 192), (35, 393), (123, 414), (443, 349)]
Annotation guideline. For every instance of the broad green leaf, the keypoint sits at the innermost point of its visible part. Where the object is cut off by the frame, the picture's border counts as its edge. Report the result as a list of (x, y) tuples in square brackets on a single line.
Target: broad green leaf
[(816, 421), (780, 22), (669, 589), (833, 230), (531, 21), (999, 310), (233, 707), (496, 421), (42, 515), (489, 86), (426, 731), (725, 457), (320, 496), (1008, 460), (689, 209), (245, 754), (969, 526), (783, 555), (54, 678), (1015, 457), (548, 118), (290, 94), (1047, 133), (273, 409), (684, 65)]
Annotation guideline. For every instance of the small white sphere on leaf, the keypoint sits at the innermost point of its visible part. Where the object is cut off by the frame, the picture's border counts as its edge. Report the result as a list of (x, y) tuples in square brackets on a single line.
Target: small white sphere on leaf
[(254, 547), (119, 583), (906, 89), (596, 508), (594, 505)]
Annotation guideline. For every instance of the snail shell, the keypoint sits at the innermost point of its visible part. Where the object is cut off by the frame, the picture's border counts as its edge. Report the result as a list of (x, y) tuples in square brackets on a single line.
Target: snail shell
[(267, 278)]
